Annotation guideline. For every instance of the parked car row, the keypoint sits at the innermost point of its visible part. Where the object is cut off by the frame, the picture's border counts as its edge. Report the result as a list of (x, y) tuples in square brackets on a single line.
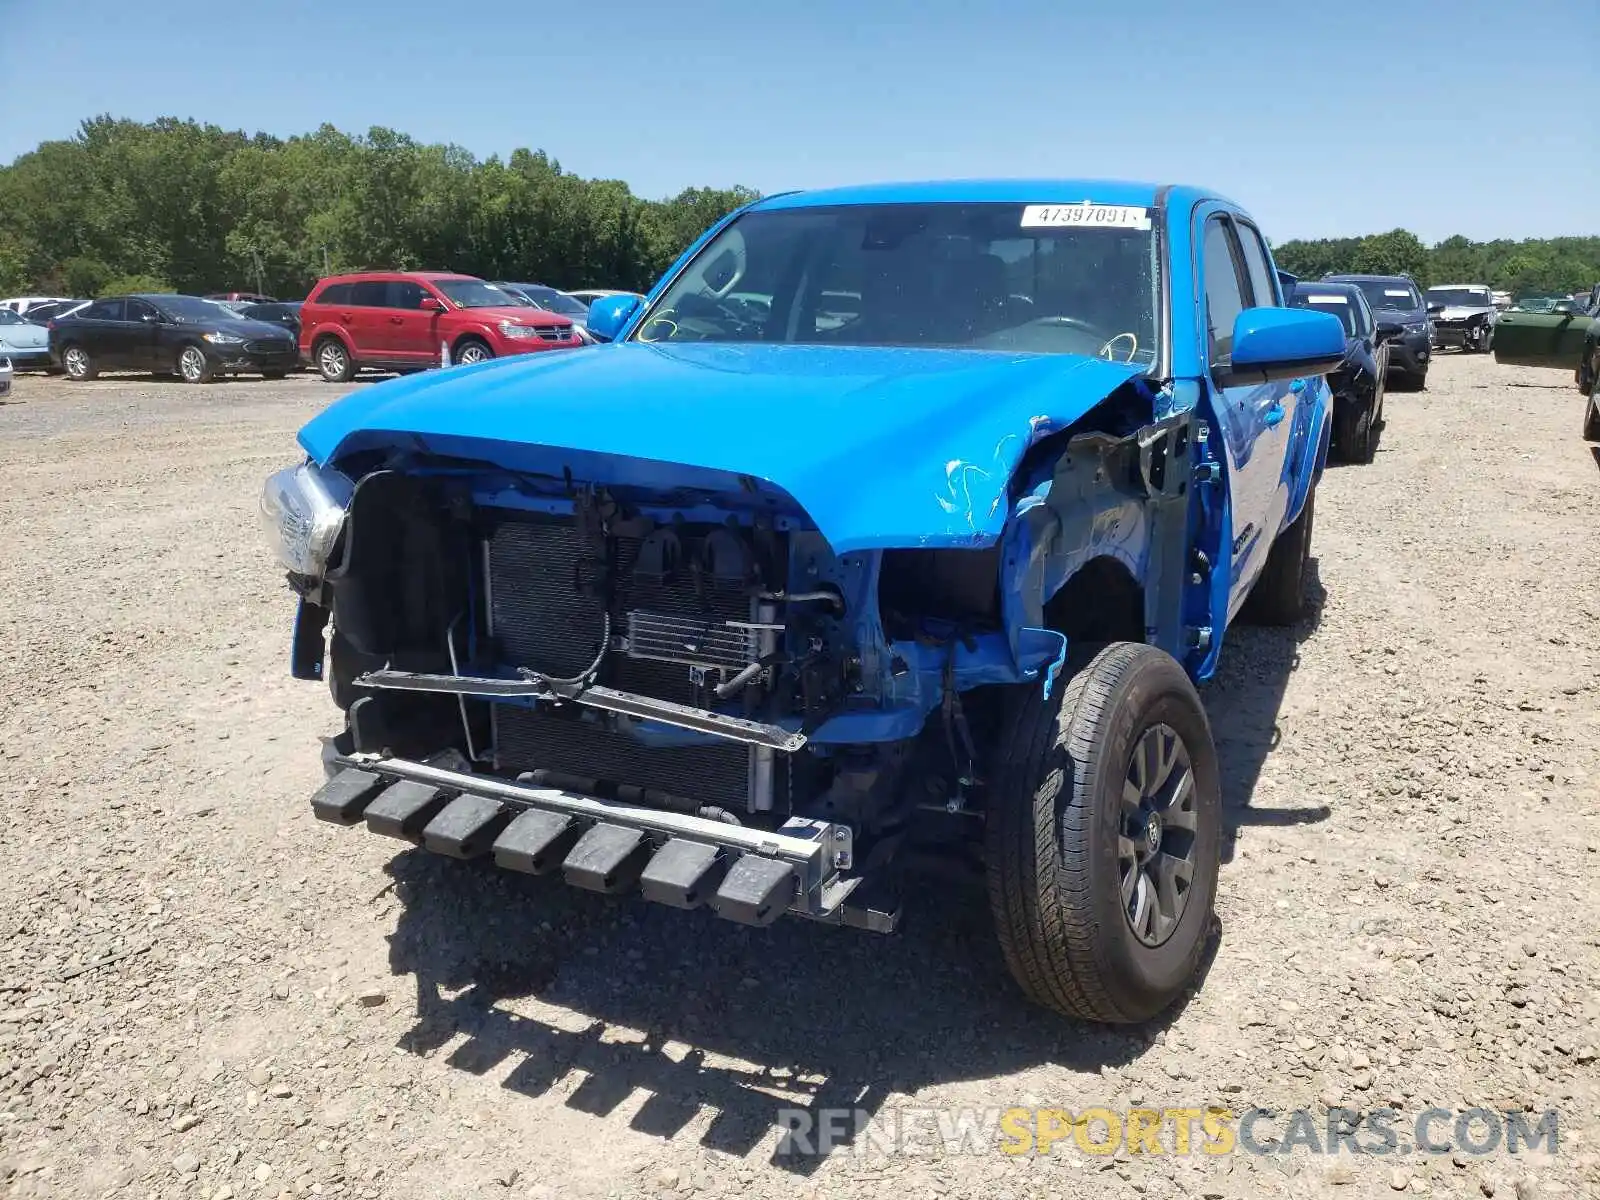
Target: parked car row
[(389, 320), (1401, 321)]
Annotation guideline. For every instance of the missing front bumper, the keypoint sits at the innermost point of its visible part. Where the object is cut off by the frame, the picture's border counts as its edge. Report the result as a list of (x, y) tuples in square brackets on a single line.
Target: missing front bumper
[(748, 875)]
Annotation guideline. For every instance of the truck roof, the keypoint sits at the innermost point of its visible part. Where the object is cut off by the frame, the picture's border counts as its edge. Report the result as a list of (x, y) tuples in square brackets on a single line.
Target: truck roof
[(998, 191)]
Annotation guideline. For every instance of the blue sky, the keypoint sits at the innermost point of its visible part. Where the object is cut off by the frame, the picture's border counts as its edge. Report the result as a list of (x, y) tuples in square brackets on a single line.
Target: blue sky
[(1476, 116)]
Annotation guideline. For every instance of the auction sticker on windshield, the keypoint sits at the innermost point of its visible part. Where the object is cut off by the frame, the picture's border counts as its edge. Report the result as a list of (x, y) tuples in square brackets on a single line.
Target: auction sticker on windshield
[(1085, 215), (1399, 292), (1327, 300)]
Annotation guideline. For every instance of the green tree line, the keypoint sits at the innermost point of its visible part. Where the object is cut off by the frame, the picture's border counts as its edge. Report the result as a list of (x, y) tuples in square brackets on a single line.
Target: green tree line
[(178, 205), (1564, 264), (175, 205)]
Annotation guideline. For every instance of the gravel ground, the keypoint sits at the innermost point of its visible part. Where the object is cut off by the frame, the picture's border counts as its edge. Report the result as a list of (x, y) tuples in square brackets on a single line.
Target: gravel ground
[(204, 993)]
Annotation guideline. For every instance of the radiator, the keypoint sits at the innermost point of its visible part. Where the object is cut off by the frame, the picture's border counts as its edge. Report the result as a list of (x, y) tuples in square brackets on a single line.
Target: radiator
[(541, 621)]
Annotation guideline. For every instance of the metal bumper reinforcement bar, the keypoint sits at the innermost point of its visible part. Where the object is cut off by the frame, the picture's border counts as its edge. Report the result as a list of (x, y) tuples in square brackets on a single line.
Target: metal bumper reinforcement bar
[(746, 874), (645, 708)]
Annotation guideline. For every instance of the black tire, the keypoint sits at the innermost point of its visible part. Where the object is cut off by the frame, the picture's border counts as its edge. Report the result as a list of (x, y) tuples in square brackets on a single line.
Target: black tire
[(333, 360), (1591, 417), (78, 364), (1358, 441), (470, 350), (1279, 594), (1486, 343), (194, 366), (1588, 369), (1057, 844), (1346, 435)]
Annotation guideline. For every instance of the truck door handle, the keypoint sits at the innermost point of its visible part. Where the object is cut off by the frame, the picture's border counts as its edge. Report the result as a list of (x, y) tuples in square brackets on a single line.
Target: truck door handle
[(1298, 386), (397, 320), (1273, 415)]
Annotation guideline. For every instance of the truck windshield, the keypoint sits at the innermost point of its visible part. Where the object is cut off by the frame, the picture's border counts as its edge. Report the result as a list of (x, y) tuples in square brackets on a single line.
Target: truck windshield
[(1043, 279)]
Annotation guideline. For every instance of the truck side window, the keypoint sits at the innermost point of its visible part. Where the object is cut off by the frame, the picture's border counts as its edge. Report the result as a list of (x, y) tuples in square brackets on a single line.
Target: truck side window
[(1224, 297), (1255, 260)]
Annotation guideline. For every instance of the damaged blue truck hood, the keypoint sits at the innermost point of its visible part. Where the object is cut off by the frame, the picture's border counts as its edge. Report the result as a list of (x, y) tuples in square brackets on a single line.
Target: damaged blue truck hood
[(881, 447)]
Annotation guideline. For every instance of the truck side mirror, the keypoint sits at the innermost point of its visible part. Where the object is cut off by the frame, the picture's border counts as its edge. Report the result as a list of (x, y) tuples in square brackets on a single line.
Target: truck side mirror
[(1283, 343), (609, 314)]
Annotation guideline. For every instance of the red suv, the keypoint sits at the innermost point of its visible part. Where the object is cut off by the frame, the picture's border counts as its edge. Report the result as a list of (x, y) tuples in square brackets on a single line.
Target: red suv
[(403, 320)]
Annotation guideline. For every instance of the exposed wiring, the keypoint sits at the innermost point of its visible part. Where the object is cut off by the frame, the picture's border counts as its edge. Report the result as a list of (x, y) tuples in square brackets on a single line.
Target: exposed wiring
[(584, 676)]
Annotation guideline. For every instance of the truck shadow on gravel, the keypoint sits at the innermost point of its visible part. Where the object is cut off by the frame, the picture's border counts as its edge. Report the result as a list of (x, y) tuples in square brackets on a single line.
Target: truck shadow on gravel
[(565, 994), (717, 1024), (1243, 700)]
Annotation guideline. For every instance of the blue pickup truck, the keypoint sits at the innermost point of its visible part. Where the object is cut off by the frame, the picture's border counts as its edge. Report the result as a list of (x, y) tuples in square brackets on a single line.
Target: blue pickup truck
[(893, 516)]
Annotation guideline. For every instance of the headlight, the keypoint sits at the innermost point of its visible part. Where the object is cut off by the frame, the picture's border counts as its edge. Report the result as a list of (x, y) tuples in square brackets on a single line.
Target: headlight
[(512, 330), (1417, 327), (223, 339), (302, 510)]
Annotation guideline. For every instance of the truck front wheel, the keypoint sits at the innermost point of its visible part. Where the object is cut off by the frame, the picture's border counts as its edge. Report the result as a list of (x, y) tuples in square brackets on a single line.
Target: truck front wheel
[(1103, 837)]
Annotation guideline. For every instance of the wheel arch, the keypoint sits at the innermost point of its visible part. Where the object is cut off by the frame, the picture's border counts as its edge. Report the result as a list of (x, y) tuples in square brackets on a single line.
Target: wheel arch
[(1102, 600), (330, 333), (1097, 549), (471, 334)]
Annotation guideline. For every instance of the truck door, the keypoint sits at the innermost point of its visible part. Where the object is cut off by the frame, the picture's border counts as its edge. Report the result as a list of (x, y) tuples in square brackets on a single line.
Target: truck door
[(1256, 420)]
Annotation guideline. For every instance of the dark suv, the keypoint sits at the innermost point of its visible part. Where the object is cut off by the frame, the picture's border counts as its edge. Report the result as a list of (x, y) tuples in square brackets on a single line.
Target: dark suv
[(1403, 323)]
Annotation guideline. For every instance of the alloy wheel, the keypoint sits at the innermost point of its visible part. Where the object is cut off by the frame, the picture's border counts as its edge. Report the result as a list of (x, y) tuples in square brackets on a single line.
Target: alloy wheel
[(332, 360), (1156, 840), (76, 363), (192, 365)]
